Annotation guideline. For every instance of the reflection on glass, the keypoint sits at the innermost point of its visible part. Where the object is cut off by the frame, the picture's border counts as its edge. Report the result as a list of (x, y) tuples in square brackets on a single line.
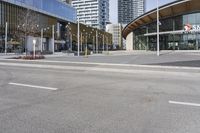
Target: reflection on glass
[(50, 7), (169, 40)]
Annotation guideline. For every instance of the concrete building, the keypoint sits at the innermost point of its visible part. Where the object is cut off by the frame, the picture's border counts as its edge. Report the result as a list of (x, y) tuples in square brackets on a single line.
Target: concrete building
[(94, 13), (116, 31), (129, 10), (179, 28)]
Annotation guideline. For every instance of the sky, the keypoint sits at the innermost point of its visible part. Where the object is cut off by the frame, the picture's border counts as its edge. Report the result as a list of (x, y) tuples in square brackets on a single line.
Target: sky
[(150, 4)]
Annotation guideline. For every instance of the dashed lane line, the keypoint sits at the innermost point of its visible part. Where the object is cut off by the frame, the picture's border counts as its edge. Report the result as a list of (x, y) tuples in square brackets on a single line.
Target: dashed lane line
[(33, 86), (185, 103)]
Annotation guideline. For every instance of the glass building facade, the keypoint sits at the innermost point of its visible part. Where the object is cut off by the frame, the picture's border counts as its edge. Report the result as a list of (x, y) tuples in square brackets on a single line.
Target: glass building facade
[(174, 34), (28, 19), (54, 8)]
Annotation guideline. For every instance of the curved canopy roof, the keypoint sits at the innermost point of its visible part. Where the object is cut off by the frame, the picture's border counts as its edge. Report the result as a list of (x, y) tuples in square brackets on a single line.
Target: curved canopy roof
[(168, 10)]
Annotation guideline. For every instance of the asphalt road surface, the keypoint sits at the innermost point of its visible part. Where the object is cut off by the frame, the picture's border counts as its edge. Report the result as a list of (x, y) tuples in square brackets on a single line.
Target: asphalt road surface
[(40, 100)]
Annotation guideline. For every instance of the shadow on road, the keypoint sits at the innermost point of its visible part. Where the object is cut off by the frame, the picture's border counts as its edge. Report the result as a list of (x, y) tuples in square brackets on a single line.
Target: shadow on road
[(194, 63)]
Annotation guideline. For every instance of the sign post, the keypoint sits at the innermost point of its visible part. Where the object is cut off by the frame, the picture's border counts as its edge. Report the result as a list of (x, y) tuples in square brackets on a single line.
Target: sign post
[(34, 42)]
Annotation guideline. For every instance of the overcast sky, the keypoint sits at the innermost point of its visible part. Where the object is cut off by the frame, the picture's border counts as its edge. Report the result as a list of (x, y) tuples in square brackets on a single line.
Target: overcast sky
[(150, 4)]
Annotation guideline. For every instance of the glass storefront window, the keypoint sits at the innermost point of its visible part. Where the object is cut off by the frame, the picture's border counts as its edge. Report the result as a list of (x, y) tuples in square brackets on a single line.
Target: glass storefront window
[(152, 27), (191, 18), (166, 25), (178, 23), (169, 39)]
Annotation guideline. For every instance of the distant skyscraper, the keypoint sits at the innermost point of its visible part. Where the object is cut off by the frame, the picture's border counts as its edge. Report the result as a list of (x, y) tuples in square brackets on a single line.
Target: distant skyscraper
[(94, 13), (129, 10), (116, 31)]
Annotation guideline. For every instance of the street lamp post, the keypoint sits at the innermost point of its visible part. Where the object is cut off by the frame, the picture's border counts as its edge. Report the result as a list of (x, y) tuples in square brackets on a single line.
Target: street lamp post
[(93, 40), (41, 43), (96, 41), (86, 49), (6, 37), (70, 39), (43, 30), (93, 46), (107, 45), (78, 37), (70, 34), (81, 42), (158, 36), (53, 38), (103, 42)]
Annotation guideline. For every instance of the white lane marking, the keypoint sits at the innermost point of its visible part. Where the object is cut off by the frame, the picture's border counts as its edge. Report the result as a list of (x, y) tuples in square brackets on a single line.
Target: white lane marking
[(185, 103), (33, 86)]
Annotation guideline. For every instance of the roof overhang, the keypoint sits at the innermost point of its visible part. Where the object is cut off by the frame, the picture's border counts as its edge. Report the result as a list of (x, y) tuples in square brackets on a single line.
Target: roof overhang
[(169, 10)]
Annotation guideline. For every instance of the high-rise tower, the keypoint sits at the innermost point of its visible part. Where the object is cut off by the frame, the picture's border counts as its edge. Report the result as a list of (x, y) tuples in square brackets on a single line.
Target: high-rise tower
[(129, 10), (94, 13)]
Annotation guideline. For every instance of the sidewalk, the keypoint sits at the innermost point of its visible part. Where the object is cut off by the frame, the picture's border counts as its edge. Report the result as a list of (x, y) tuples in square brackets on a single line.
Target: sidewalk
[(144, 52), (9, 55), (166, 58), (12, 55)]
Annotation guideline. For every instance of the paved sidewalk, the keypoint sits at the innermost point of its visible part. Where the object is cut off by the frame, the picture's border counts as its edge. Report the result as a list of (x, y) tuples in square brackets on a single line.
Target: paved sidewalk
[(146, 58), (12, 55), (9, 55), (167, 58)]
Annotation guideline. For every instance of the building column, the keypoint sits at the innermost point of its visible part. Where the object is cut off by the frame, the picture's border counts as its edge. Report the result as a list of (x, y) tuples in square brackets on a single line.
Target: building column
[(51, 45), (147, 39), (174, 47), (6, 37), (53, 39), (197, 42), (97, 37), (129, 42)]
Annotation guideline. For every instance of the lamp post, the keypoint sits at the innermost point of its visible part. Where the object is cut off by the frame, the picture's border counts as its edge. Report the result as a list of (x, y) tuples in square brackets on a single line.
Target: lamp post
[(103, 42), (86, 49), (71, 39), (158, 37), (70, 34), (43, 31), (93, 45), (53, 39), (81, 42), (41, 43), (78, 37), (6, 37), (96, 41), (93, 41), (34, 42), (107, 45)]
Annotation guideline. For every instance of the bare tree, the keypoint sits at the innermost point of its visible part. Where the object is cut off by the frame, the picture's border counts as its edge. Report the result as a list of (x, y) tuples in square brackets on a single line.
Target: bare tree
[(28, 24)]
